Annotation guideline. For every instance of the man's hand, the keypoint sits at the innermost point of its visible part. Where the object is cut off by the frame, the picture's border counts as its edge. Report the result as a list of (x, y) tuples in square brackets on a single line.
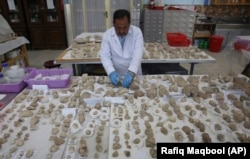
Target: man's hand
[(128, 79), (114, 77)]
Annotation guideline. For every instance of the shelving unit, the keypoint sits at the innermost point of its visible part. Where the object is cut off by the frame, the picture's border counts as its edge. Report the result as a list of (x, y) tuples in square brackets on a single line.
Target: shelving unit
[(230, 2), (17, 43), (40, 21), (203, 31), (156, 23), (153, 25), (46, 24), (247, 2), (14, 15)]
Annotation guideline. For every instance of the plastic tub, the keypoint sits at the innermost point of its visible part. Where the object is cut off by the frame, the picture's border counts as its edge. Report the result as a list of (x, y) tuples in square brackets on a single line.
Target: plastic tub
[(176, 37), (215, 43), (12, 54), (185, 42), (57, 82), (15, 87), (15, 72), (242, 45)]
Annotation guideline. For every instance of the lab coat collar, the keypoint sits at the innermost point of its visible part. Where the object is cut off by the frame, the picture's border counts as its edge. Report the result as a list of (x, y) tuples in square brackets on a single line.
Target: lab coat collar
[(114, 33)]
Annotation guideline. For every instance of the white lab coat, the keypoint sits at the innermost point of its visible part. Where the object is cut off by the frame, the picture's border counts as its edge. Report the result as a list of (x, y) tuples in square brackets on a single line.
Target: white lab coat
[(114, 58)]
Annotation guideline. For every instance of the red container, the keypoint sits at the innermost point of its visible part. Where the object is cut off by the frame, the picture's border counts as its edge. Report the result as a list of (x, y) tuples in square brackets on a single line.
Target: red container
[(241, 46), (176, 37), (174, 8), (238, 46), (215, 43), (158, 7), (185, 42)]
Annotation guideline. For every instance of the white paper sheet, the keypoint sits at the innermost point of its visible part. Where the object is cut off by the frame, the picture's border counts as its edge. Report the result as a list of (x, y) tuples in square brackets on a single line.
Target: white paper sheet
[(93, 101), (67, 111), (50, 4), (2, 96), (44, 88), (11, 5), (118, 100)]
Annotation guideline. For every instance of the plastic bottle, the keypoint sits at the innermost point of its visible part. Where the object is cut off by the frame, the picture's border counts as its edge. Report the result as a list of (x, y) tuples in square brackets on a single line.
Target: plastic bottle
[(205, 44), (5, 68), (201, 45), (2, 80)]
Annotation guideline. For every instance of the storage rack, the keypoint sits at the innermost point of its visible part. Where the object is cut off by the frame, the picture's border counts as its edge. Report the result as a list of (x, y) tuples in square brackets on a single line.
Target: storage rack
[(203, 31), (156, 23), (18, 42)]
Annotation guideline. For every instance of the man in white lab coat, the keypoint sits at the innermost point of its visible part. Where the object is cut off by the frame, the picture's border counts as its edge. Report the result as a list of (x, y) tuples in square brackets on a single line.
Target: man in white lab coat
[(122, 49)]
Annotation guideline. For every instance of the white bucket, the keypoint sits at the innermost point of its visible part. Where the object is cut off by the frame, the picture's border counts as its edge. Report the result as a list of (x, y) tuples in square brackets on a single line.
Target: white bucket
[(16, 72), (12, 54)]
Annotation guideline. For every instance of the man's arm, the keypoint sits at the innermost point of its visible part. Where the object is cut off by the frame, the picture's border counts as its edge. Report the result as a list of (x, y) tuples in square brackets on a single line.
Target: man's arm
[(138, 52), (105, 54)]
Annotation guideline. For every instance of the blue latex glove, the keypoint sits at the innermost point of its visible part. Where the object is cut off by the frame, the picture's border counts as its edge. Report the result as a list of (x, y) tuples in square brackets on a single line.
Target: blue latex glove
[(128, 79), (114, 77)]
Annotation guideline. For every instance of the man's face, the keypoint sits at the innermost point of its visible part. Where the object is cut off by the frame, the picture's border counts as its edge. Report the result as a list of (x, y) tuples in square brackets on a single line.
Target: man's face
[(121, 26)]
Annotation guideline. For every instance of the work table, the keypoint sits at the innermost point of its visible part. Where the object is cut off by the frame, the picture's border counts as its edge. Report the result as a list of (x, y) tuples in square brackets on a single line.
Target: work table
[(93, 118), (88, 53)]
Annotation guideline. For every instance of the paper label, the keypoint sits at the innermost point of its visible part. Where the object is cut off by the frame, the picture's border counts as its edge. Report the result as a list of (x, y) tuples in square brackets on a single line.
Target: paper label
[(44, 88), (118, 100), (67, 111), (2, 96)]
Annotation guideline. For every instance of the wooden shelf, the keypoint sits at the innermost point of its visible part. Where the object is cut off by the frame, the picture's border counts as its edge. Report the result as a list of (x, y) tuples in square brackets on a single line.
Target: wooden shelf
[(45, 28), (230, 2), (23, 55), (17, 43), (203, 30), (202, 35)]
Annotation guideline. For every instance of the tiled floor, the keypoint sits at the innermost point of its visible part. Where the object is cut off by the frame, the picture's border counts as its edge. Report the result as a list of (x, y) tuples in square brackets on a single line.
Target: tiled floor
[(38, 57), (226, 61)]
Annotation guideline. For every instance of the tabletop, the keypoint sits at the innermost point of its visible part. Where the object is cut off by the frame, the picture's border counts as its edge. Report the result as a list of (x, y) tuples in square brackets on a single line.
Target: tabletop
[(86, 46), (93, 118), (65, 57)]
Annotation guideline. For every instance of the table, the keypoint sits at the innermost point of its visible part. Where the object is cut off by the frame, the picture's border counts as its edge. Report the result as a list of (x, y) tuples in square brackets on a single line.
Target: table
[(171, 111), (10, 45), (64, 57), (164, 57)]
